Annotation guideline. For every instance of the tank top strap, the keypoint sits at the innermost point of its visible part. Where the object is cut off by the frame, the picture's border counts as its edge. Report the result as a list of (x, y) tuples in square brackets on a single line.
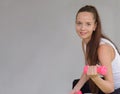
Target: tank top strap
[(105, 41)]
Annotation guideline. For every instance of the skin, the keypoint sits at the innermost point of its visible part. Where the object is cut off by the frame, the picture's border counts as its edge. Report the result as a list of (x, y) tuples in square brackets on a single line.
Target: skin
[(85, 26)]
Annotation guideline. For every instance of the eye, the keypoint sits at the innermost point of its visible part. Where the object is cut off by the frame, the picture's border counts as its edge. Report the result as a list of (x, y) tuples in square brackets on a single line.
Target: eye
[(88, 24), (78, 23)]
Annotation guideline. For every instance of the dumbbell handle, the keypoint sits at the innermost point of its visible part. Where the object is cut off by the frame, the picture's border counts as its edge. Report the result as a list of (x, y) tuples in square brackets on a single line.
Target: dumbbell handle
[(101, 69)]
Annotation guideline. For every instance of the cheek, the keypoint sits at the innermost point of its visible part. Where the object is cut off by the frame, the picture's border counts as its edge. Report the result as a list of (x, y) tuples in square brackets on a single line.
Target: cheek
[(92, 29), (91, 32), (77, 28)]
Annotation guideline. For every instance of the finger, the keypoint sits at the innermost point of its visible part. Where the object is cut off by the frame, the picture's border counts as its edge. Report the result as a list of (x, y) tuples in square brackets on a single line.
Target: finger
[(89, 72), (95, 70), (92, 70), (97, 65)]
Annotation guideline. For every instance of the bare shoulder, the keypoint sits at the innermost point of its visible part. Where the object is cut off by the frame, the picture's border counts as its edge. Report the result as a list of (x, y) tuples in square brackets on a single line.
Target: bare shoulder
[(106, 53), (105, 47)]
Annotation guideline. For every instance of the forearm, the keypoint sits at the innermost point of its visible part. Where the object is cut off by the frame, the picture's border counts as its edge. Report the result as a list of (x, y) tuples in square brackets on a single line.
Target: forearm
[(105, 86), (81, 82)]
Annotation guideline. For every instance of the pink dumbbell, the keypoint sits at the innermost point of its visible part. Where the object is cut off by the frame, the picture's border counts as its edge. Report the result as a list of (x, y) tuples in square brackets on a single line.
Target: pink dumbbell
[(101, 69), (78, 92)]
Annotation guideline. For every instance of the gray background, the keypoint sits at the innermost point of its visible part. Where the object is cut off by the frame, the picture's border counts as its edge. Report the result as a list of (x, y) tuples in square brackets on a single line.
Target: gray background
[(40, 52)]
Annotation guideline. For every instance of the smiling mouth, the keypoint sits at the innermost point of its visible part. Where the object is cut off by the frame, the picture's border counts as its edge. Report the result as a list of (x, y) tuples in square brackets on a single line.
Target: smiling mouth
[(83, 33)]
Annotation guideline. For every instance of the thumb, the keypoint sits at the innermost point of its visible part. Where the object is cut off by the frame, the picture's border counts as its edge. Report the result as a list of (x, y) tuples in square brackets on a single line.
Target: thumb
[(97, 65)]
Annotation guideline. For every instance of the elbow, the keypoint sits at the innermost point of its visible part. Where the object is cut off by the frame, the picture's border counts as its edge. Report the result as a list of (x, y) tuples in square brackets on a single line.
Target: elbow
[(110, 90)]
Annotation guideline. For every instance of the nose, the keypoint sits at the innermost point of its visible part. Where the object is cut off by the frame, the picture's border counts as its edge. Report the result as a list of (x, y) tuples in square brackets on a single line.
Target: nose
[(82, 27)]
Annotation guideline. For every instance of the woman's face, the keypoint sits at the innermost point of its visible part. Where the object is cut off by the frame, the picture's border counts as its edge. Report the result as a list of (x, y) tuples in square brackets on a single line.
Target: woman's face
[(85, 25)]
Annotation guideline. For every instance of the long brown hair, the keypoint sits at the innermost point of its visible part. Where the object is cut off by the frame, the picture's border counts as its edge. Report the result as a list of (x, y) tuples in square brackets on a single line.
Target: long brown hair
[(93, 44)]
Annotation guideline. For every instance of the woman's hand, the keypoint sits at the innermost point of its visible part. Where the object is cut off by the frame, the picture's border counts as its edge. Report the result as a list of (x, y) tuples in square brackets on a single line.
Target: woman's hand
[(73, 91), (92, 71)]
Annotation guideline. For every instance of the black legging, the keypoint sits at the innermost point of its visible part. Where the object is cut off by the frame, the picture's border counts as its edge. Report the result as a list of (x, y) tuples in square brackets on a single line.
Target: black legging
[(85, 88), (117, 91)]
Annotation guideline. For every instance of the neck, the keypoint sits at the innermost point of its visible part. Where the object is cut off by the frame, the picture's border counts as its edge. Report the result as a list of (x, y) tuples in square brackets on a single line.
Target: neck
[(86, 41)]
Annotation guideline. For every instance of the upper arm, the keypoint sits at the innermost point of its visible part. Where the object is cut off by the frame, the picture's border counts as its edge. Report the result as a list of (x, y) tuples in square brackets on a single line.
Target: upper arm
[(106, 55)]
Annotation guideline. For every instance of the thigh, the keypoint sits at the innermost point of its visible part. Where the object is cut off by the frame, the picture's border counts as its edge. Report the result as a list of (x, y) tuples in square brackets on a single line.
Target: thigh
[(117, 91), (85, 88)]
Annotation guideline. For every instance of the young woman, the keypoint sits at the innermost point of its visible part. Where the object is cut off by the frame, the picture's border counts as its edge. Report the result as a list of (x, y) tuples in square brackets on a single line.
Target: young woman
[(98, 51)]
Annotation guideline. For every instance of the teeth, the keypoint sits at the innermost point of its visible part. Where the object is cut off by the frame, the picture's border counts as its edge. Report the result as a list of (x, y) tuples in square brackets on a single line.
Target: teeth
[(82, 33)]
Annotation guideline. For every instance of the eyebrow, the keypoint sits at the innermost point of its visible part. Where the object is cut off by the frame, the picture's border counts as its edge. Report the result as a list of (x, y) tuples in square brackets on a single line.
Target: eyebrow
[(85, 22)]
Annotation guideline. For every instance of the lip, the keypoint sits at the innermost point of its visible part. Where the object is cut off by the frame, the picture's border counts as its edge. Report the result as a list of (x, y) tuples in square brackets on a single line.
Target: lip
[(83, 33)]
